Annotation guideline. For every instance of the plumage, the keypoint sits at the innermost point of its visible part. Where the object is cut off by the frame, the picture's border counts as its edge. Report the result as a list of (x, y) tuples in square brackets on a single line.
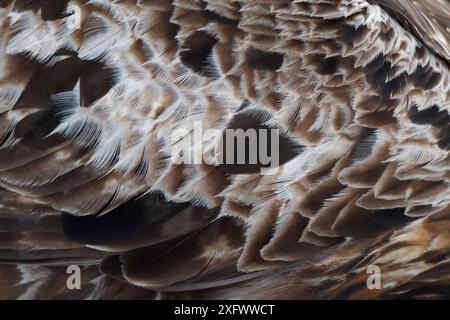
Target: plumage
[(358, 90)]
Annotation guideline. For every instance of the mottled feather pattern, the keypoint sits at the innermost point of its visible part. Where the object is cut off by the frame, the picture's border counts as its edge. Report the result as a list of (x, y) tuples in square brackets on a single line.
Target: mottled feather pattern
[(360, 91)]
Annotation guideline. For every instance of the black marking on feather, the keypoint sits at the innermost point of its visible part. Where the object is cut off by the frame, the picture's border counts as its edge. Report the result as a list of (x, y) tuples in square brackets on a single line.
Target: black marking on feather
[(43, 121), (64, 75), (122, 223), (379, 71), (391, 217), (433, 81), (35, 128), (213, 16), (95, 82), (195, 51), (324, 65), (444, 143), (112, 267), (248, 119), (432, 115), (53, 9), (422, 77), (50, 9), (352, 34), (395, 85), (35, 93), (263, 60), (420, 52), (444, 138), (95, 78), (376, 64), (8, 132), (373, 222), (365, 146), (388, 35), (5, 3), (22, 5)]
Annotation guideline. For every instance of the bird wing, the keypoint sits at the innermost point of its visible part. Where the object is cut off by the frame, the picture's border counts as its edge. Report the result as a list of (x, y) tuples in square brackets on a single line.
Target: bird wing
[(87, 113)]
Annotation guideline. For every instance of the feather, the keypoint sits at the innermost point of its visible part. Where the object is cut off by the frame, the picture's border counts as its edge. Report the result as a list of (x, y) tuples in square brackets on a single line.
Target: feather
[(93, 120)]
